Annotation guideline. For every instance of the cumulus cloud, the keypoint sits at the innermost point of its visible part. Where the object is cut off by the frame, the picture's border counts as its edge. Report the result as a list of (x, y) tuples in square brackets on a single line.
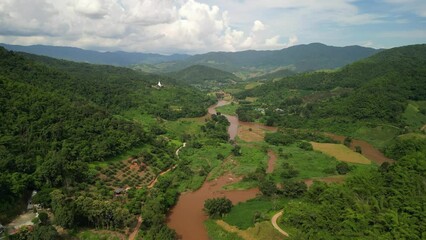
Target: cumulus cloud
[(168, 26), (258, 26), (91, 8)]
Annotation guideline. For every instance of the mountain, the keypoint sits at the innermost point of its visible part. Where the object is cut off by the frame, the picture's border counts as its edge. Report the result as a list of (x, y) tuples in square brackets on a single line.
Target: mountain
[(300, 58), (110, 58), (387, 88), (204, 77)]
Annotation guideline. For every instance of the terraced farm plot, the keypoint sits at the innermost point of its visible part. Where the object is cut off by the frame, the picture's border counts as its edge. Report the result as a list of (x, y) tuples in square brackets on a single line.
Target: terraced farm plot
[(340, 152), (126, 173)]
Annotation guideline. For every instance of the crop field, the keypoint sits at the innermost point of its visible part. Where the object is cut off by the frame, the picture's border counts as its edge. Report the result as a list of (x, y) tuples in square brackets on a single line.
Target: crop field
[(128, 173), (340, 152)]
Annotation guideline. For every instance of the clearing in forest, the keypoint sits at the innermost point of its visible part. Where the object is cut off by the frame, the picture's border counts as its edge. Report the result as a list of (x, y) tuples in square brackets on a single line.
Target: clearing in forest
[(340, 152), (253, 132)]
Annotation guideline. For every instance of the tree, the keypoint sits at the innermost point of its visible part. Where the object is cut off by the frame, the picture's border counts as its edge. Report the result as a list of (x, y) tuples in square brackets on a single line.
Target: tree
[(289, 171), (347, 142), (42, 232), (358, 149), (236, 150), (294, 189), (267, 187), (342, 168), (305, 146), (44, 218), (216, 207)]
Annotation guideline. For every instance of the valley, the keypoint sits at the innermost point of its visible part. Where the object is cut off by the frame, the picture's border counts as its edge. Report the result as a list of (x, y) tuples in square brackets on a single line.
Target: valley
[(311, 155)]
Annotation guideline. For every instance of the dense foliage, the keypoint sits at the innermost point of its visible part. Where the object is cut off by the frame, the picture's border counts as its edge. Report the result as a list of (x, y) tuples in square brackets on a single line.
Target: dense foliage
[(375, 90), (204, 77), (388, 203), (58, 116), (216, 207)]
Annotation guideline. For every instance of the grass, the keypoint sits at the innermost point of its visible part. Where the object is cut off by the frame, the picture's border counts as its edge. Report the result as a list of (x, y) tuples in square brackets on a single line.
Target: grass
[(121, 157), (99, 235), (200, 158), (242, 214), (378, 136), (137, 116), (340, 152), (229, 109), (176, 129), (241, 185), (216, 232), (252, 156), (412, 115), (252, 85), (310, 164), (251, 99)]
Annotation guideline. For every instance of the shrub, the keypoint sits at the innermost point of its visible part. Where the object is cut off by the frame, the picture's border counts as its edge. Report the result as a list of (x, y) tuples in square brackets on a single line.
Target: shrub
[(216, 207)]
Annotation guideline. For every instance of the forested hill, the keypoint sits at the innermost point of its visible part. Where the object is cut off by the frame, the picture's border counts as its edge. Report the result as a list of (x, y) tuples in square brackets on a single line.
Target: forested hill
[(116, 89), (203, 76), (56, 116), (81, 55), (301, 58), (376, 89)]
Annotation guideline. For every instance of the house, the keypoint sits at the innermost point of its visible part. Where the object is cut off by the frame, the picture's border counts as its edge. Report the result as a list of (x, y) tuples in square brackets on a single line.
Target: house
[(159, 84)]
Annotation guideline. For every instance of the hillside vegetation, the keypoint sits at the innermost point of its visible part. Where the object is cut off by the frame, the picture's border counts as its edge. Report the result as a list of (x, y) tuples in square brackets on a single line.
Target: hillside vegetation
[(58, 116), (373, 91), (204, 77)]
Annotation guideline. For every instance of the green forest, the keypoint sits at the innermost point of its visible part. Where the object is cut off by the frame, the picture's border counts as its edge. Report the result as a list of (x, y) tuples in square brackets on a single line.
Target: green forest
[(59, 116)]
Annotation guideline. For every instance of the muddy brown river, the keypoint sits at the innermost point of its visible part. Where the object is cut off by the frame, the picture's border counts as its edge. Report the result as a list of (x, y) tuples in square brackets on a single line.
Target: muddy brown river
[(233, 120), (187, 216)]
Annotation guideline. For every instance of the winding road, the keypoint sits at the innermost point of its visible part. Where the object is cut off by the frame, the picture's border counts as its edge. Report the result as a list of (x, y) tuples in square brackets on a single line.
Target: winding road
[(274, 223)]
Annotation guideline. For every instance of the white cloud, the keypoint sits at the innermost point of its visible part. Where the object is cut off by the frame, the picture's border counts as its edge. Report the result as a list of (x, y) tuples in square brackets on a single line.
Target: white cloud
[(91, 8), (258, 26), (191, 26)]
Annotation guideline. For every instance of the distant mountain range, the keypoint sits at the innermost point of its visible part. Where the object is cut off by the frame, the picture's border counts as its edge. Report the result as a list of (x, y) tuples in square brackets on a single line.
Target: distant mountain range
[(299, 58), (245, 64), (109, 58)]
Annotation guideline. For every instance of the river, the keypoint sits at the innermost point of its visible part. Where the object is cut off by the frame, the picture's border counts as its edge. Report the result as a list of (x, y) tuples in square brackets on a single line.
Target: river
[(233, 120), (187, 216)]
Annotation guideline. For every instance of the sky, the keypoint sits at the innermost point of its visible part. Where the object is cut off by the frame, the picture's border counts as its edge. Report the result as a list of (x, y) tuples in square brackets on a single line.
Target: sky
[(199, 26)]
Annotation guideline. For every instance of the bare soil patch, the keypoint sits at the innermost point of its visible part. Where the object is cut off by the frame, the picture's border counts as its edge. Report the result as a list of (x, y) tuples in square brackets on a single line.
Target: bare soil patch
[(271, 161), (253, 132), (340, 152), (368, 150)]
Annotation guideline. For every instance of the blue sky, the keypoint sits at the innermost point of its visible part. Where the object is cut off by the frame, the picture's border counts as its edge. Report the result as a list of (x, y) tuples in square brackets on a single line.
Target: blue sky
[(198, 26)]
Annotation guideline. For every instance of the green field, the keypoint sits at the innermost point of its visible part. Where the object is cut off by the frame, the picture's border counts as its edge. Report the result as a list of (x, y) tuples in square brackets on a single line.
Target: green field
[(251, 157), (413, 116), (229, 109), (243, 214), (217, 232), (99, 235)]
